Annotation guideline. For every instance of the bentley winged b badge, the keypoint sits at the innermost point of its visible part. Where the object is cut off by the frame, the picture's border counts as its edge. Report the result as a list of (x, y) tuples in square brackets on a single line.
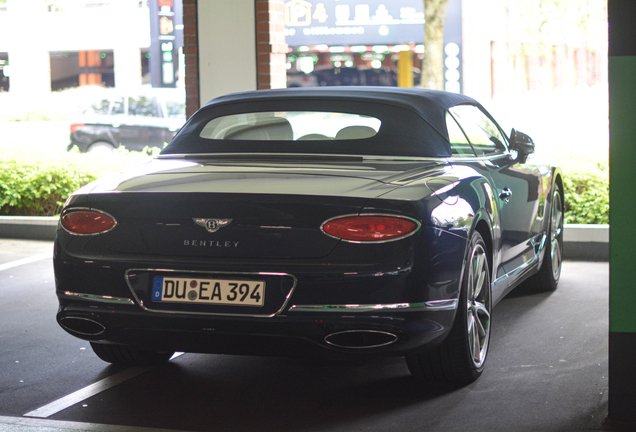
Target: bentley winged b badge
[(212, 225)]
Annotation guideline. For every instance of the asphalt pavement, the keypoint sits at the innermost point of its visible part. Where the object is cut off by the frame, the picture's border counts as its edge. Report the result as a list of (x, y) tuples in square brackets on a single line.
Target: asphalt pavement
[(546, 371)]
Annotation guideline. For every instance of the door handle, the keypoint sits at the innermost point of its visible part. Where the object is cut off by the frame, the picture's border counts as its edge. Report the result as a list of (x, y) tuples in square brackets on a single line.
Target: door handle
[(505, 195)]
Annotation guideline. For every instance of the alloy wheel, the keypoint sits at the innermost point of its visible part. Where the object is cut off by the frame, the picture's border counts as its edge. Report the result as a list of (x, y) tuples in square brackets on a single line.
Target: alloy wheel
[(556, 234), (478, 306)]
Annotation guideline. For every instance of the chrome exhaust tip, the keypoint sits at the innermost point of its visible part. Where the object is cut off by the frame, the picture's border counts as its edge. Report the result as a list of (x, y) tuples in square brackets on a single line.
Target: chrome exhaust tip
[(361, 339), (82, 326)]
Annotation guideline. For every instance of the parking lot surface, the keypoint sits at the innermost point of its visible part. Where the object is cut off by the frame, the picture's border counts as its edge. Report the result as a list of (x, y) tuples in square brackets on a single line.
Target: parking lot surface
[(546, 371)]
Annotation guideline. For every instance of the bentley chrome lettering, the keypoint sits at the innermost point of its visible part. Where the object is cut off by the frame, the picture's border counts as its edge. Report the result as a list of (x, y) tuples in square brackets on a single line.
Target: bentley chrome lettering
[(211, 243)]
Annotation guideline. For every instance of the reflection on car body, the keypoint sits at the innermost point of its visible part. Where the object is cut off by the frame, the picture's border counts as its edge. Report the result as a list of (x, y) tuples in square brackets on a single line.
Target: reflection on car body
[(327, 222), (129, 121)]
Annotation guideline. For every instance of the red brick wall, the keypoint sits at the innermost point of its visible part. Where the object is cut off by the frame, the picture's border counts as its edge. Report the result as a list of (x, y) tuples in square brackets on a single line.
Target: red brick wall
[(271, 49), (191, 52)]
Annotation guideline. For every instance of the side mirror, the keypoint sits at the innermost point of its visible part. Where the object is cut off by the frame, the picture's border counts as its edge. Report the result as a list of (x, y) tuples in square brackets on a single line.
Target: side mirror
[(522, 144)]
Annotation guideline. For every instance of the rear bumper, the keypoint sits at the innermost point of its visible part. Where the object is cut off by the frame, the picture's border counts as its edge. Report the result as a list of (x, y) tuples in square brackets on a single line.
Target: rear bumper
[(402, 300), (331, 332)]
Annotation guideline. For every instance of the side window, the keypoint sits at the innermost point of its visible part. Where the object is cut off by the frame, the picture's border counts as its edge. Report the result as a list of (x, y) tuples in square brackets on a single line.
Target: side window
[(459, 144), (482, 133), (100, 107), (142, 106), (117, 107), (175, 109)]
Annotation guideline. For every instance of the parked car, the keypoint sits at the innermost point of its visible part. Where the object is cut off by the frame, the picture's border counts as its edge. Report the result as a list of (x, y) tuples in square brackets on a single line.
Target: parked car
[(323, 222), (301, 79), (338, 76), (348, 76), (377, 77), (129, 121)]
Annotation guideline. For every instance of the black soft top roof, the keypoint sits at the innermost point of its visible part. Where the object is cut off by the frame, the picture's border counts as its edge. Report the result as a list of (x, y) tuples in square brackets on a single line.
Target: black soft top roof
[(429, 104), (404, 106)]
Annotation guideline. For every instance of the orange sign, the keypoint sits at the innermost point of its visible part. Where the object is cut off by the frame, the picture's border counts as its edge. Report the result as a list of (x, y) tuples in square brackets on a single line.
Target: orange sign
[(165, 26)]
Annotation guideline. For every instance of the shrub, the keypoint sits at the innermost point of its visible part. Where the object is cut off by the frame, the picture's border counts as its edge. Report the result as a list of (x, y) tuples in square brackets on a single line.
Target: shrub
[(37, 184), (587, 197)]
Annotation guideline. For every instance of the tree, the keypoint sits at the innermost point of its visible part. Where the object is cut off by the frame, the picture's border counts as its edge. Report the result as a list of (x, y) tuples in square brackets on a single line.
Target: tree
[(540, 24), (433, 60)]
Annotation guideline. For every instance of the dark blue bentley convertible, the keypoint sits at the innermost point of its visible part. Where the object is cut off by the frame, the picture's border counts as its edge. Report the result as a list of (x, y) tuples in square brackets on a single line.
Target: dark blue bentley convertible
[(314, 222)]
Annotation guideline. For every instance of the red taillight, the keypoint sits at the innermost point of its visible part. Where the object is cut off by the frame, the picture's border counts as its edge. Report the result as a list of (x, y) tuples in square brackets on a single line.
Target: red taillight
[(76, 126), (370, 228), (88, 222)]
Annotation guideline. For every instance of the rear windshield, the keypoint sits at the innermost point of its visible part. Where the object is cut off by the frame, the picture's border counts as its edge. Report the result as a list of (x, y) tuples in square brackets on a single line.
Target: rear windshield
[(310, 126), (291, 126)]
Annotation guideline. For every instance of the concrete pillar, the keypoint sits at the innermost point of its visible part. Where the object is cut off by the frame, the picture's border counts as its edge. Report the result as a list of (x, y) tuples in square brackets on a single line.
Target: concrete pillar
[(270, 44), (191, 54), (232, 46), (622, 105), (226, 34), (29, 60), (126, 57), (127, 67)]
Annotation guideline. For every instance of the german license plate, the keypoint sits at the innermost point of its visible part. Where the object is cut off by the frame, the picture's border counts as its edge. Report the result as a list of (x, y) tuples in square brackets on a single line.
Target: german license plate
[(208, 291)]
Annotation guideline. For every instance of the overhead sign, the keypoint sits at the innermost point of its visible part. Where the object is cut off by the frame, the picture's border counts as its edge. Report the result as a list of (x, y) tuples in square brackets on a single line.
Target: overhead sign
[(166, 31), (353, 22)]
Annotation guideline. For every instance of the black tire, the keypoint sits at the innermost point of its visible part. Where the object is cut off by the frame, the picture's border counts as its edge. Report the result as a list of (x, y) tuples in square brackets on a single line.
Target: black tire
[(461, 357), (549, 274), (101, 148), (129, 356)]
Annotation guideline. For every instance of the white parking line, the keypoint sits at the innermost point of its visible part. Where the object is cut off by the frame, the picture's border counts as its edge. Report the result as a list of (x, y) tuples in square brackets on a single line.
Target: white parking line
[(89, 391), (57, 425), (27, 260)]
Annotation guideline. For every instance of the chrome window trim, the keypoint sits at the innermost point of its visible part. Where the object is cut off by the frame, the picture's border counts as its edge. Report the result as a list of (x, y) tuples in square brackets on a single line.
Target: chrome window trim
[(419, 226), (147, 309), (335, 155), (429, 306), (365, 158), (93, 297), (487, 158)]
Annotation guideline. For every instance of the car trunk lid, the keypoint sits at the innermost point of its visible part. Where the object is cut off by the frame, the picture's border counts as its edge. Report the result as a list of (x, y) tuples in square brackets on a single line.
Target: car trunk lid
[(189, 209)]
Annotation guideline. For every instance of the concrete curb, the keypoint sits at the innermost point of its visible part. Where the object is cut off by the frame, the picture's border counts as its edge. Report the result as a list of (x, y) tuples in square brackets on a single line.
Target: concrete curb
[(28, 227), (580, 242), (586, 242)]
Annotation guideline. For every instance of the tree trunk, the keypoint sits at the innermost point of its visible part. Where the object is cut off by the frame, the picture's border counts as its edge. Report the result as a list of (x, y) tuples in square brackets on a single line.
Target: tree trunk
[(433, 61)]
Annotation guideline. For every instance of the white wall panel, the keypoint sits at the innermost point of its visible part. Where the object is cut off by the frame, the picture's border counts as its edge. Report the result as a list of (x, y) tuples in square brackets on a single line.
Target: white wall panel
[(227, 47)]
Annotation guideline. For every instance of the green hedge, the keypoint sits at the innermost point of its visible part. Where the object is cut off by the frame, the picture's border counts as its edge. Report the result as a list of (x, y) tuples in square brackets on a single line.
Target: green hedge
[(587, 197), (38, 184)]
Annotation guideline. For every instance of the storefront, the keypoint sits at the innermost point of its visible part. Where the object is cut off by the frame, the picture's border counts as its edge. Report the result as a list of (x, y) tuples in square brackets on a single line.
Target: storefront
[(346, 42)]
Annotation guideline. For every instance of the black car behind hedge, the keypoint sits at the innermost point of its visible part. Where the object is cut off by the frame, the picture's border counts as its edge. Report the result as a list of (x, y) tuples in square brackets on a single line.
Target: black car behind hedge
[(130, 121)]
